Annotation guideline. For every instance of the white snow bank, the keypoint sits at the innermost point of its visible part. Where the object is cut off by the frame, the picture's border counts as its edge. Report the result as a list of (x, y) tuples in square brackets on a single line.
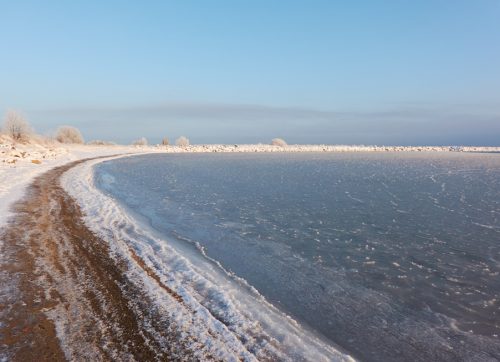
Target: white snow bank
[(317, 148), (21, 163)]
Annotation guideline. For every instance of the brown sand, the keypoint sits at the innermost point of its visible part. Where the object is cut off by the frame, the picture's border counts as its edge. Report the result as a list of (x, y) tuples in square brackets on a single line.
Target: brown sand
[(59, 270)]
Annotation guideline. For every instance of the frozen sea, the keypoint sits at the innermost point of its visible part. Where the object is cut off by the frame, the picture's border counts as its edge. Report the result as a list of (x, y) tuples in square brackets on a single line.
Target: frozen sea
[(391, 256)]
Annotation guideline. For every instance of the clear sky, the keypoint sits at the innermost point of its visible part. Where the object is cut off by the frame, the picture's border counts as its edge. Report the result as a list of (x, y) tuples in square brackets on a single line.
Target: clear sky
[(372, 72)]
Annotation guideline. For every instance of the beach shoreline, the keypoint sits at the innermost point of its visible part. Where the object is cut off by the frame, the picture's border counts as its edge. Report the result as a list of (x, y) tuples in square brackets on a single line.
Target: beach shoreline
[(69, 293), (58, 271), (59, 278)]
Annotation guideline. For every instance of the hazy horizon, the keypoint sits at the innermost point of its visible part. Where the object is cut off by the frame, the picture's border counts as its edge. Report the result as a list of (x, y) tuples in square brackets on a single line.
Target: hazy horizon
[(393, 73)]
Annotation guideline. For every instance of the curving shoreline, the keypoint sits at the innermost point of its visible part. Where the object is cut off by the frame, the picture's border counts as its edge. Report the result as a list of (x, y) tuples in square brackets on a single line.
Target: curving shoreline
[(62, 271), (72, 299), (245, 324), (76, 295)]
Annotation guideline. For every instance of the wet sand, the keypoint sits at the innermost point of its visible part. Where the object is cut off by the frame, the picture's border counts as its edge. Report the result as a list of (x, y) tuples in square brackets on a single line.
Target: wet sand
[(60, 275)]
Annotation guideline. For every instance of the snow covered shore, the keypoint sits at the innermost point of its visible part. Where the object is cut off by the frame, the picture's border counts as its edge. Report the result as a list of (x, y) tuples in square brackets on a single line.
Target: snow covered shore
[(316, 148), (188, 313), (21, 163)]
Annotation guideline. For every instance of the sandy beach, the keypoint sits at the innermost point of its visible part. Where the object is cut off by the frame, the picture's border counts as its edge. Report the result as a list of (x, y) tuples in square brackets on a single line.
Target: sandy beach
[(58, 270)]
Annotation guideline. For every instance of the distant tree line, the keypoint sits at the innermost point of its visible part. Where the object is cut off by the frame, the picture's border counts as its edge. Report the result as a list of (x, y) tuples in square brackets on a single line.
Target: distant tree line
[(17, 127)]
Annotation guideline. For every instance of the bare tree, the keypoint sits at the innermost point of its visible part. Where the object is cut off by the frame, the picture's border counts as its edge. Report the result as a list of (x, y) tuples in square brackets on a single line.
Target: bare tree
[(165, 141), (16, 126), (182, 141), (140, 142), (278, 142), (68, 134)]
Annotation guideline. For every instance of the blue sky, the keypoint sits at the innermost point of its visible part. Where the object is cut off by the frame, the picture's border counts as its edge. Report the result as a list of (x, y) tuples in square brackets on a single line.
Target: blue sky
[(372, 72)]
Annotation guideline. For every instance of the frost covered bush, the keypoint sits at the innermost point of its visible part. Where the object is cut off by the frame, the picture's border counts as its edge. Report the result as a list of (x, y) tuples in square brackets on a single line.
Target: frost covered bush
[(165, 141), (140, 142), (100, 143), (182, 141), (16, 126), (68, 134), (278, 142)]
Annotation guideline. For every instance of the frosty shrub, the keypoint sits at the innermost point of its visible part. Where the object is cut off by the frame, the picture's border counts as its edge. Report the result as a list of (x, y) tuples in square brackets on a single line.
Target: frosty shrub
[(140, 142), (16, 126), (182, 141), (68, 134), (101, 143), (165, 141), (278, 142)]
